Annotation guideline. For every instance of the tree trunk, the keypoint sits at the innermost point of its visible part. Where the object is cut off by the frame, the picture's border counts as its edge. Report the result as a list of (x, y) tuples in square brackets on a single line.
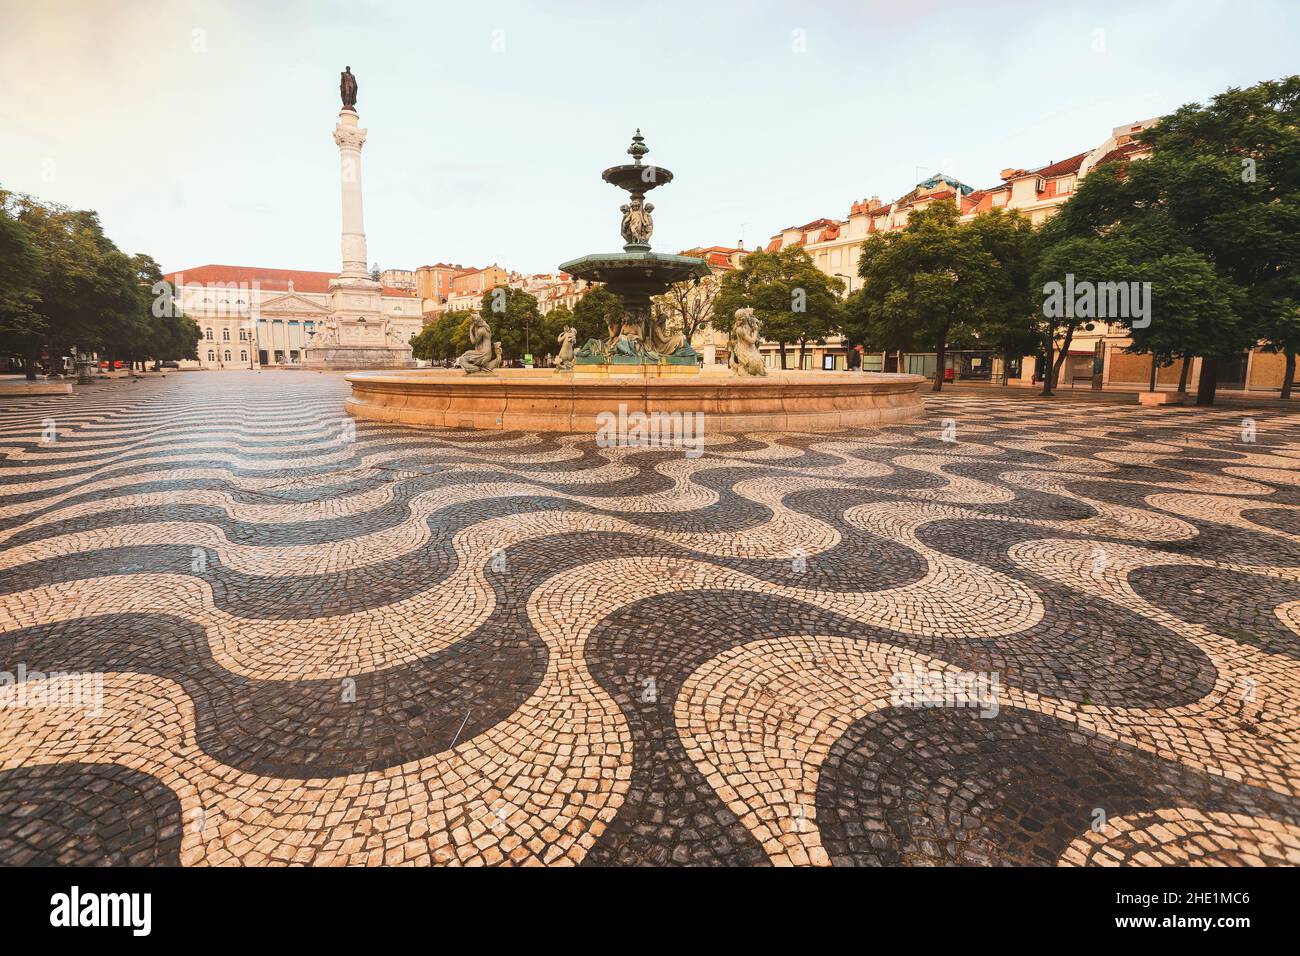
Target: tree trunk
[(803, 350), (1289, 376), (1209, 381), (1046, 371), (940, 353), (1062, 355), (1183, 373), (33, 357), (1151, 387), (781, 346)]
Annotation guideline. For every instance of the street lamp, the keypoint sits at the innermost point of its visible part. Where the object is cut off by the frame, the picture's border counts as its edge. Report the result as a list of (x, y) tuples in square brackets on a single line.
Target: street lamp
[(251, 325)]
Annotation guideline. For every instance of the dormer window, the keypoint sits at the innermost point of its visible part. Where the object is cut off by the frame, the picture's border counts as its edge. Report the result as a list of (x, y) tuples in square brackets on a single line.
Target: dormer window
[(1064, 185)]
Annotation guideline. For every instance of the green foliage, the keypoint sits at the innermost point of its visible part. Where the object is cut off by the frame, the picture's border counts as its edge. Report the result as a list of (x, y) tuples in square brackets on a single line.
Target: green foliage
[(64, 284), (22, 269), (553, 324), (1211, 219), (445, 338), (940, 282), (595, 312), (794, 301), (514, 319)]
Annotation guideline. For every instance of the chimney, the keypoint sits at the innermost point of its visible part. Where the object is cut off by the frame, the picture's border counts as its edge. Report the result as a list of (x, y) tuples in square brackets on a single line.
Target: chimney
[(873, 203), (740, 244)]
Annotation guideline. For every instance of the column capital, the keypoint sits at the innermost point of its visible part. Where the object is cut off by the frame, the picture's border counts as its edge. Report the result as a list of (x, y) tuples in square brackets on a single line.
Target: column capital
[(349, 137)]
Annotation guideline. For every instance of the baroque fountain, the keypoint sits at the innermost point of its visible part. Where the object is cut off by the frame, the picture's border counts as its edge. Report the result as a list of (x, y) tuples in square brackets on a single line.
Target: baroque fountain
[(641, 365)]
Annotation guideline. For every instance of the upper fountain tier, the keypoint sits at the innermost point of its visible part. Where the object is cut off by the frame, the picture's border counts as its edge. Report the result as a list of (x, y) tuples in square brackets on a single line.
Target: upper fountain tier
[(636, 178), (636, 270)]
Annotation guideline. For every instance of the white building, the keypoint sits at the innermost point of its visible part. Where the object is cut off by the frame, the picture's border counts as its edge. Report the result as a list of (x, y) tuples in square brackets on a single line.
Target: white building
[(251, 317)]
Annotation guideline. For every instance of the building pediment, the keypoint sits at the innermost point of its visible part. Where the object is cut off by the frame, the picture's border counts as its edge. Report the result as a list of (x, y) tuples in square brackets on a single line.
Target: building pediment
[(292, 302)]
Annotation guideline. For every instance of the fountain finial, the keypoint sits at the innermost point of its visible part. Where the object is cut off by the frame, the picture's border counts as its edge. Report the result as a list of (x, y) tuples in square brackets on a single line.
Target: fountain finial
[(638, 147)]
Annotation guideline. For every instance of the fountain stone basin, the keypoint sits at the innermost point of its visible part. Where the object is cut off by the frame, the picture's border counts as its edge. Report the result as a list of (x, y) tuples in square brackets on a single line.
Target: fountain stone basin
[(546, 400)]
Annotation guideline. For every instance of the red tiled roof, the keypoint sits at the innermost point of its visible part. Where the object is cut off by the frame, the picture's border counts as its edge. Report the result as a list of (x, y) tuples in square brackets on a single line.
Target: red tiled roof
[(946, 193), (1070, 165), (1121, 152), (815, 224), (270, 280)]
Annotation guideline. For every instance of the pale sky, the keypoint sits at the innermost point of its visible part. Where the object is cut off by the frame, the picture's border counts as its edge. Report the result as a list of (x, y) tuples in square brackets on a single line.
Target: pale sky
[(201, 131)]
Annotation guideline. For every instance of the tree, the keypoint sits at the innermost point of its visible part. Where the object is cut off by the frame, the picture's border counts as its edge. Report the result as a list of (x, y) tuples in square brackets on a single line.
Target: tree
[(595, 313), (514, 318), (22, 269), (689, 304), (444, 338), (81, 291), (1088, 262), (794, 301), (168, 334), (1007, 320), (940, 280), (552, 325), (1223, 186)]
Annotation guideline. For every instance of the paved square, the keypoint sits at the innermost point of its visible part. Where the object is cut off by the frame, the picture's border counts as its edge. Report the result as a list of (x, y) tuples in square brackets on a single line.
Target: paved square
[(308, 641)]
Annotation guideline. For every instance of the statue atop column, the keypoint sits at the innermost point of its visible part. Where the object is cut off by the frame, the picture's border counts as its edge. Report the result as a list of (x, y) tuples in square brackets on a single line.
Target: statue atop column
[(348, 89)]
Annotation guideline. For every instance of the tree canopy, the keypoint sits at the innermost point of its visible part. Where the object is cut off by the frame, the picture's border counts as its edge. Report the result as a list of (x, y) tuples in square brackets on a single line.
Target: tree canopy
[(794, 301), (64, 284), (444, 338), (1211, 219), (515, 320), (940, 282), (594, 314)]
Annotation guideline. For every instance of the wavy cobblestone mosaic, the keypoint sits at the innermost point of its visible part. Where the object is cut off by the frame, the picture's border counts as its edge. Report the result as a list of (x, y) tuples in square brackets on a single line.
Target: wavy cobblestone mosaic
[(295, 639)]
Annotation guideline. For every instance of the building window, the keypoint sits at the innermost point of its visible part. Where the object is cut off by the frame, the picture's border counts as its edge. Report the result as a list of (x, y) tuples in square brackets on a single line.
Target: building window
[(1000, 199), (1064, 185), (227, 355), (208, 334), (243, 335), (212, 356), (243, 356), (225, 335)]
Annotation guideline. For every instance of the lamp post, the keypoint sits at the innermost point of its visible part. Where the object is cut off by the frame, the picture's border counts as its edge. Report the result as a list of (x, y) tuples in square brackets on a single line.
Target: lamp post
[(251, 326)]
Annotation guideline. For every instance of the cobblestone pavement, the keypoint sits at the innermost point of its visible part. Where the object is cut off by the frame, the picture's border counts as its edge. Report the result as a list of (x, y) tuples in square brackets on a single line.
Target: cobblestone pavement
[(293, 644)]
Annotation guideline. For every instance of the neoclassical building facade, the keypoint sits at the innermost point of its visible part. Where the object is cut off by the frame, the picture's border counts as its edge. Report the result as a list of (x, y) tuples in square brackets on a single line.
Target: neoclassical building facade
[(252, 317)]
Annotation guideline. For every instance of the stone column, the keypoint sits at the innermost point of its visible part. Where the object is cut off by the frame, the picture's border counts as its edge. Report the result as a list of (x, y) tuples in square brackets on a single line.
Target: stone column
[(350, 139)]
